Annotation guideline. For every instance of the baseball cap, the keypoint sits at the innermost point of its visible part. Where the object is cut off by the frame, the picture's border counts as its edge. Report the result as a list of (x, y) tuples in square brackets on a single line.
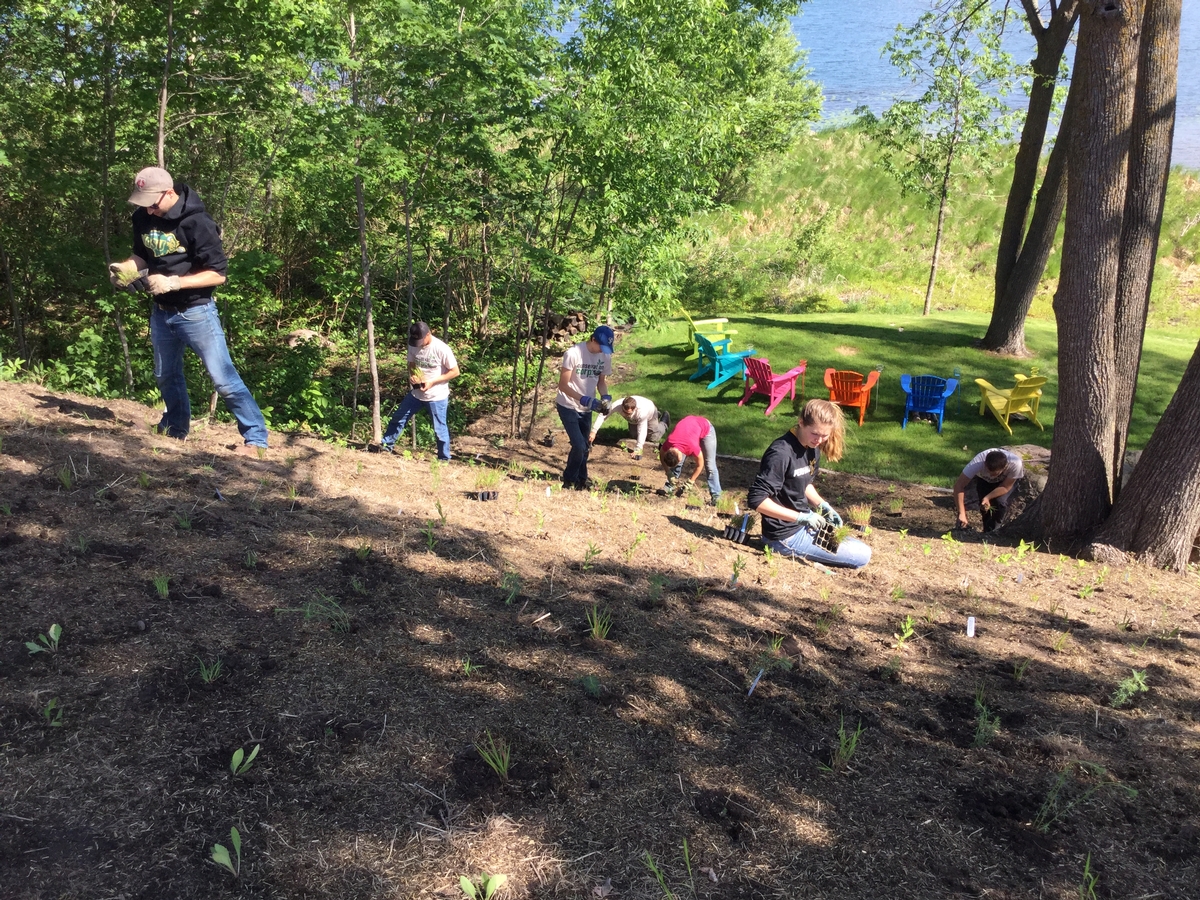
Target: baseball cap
[(603, 335), (149, 184), (417, 333)]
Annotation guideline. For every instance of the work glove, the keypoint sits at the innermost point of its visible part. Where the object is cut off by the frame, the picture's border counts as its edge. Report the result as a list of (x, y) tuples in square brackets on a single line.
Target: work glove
[(587, 402), (811, 520), (605, 404), (126, 276), (831, 515), (162, 284), (637, 454)]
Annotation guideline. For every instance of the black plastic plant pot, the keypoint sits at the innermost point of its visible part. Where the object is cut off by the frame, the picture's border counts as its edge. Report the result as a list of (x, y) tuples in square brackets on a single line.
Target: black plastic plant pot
[(486, 495), (827, 538), (735, 534)]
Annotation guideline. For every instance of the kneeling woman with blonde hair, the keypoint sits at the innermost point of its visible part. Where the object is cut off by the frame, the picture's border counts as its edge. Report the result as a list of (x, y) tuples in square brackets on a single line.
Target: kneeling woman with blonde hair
[(785, 496)]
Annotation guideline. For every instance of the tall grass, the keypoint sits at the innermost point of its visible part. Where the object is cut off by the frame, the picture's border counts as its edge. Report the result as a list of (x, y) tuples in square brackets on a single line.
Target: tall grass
[(825, 229)]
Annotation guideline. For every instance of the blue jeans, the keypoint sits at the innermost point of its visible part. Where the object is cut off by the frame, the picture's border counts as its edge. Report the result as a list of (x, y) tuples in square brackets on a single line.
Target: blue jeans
[(199, 327), (578, 426), (708, 445), (851, 553), (437, 412)]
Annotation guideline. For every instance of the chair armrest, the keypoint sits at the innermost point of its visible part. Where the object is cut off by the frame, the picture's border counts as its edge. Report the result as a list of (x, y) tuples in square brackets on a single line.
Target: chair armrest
[(829, 378), (986, 387), (906, 383), (698, 322), (798, 370), (951, 387), (872, 379)]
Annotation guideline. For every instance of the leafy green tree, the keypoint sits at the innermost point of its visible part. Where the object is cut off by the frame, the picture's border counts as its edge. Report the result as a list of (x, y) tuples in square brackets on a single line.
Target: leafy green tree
[(953, 55)]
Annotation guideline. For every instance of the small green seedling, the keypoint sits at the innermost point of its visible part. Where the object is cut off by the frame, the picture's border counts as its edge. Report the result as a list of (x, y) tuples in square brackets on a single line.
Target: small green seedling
[(590, 554), (1128, 688), (441, 513), (66, 477), (986, 725), (220, 854), (903, 533), (162, 586), (637, 542), (183, 521), (363, 551), (592, 685), (898, 593), (52, 713), (599, 623), (430, 538), (210, 672), (497, 754), (510, 583), (488, 885), (907, 630), (469, 668), (143, 480), (657, 584), (1020, 668), (46, 643), (847, 746), (1060, 643), (1087, 888), (1061, 799), (895, 505), (240, 763), (739, 563)]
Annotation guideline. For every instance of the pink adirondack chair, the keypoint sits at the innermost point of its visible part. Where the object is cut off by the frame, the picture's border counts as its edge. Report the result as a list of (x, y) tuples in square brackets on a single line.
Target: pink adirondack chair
[(763, 381)]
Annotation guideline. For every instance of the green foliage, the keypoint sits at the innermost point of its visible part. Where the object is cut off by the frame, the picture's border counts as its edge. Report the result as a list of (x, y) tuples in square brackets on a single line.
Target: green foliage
[(52, 713), (847, 746), (986, 724), (1076, 784), (162, 586), (485, 888), (46, 643), (221, 856), (240, 763), (907, 630), (510, 584), (1129, 688), (210, 671), (497, 754), (589, 555), (599, 623)]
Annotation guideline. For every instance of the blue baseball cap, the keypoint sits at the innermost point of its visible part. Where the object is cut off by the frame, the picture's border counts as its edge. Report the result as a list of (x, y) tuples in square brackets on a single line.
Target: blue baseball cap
[(603, 335)]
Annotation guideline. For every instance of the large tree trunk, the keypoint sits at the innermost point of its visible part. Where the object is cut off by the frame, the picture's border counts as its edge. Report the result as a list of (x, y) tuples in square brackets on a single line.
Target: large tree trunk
[(1149, 166), (1051, 42), (1079, 491), (1006, 331), (1158, 513)]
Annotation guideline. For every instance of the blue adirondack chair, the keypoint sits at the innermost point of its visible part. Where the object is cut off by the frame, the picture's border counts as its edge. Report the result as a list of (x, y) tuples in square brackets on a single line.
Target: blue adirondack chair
[(716, 360), (926, 394)]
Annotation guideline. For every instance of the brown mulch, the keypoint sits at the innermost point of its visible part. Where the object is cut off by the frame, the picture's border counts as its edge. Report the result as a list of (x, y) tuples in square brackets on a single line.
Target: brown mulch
[(347, 595)]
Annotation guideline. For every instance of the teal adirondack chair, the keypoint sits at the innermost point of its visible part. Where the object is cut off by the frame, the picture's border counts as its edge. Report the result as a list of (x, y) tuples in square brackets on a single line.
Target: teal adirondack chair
[(716, 360)]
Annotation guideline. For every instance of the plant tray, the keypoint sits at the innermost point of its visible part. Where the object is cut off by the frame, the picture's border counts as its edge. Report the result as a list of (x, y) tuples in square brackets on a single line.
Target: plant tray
[(486, 495), (735, 534), (827, 538)]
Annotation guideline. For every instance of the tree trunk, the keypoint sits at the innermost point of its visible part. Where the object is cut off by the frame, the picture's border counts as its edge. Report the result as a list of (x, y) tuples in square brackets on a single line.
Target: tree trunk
[(1149, 166), (17, 317), (1158, 513), (109, 142), (937, 237), (1051, 42), (1079, 490), (162, 93), (372, 363), (1006, 331)]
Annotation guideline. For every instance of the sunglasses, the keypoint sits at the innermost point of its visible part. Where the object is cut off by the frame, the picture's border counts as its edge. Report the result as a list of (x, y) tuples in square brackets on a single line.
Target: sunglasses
[(154, 206)]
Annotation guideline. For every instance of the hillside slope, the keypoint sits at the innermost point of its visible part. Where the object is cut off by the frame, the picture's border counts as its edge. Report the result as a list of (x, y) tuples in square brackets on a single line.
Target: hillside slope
[(373, 623)]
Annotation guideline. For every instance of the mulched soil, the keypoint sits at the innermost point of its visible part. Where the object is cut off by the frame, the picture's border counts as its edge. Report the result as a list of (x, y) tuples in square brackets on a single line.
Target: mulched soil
[(374, 623)]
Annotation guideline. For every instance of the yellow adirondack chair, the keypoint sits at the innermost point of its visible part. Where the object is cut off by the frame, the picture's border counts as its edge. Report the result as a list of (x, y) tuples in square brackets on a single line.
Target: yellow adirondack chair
[(1023, 398), (713, 329)]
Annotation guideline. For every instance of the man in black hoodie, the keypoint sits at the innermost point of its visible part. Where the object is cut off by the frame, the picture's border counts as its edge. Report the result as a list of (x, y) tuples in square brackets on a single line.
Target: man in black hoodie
[(178, 245)]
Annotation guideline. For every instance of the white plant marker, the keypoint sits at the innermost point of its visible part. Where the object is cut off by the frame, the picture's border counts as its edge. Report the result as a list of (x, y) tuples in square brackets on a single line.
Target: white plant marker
[(970, 626)]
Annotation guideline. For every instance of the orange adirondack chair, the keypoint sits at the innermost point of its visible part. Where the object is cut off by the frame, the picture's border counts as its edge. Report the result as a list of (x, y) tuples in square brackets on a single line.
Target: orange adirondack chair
[(763, 381), (850, 389), (1024, 398)]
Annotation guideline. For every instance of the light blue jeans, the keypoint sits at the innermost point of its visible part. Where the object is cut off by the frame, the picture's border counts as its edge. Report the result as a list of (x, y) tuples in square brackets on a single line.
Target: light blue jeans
[(851, 553), (708, 446), (437, 412), (199, 327)]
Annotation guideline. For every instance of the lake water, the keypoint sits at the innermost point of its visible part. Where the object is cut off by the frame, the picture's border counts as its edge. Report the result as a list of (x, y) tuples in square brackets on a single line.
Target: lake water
[(844, 39)]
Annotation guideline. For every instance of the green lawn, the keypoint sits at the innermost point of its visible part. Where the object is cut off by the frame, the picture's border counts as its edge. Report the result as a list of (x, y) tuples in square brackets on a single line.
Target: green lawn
[(863, 341)]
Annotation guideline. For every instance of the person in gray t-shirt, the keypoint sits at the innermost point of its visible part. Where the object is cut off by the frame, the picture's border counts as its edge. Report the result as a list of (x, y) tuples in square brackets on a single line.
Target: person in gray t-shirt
[(991, 475)]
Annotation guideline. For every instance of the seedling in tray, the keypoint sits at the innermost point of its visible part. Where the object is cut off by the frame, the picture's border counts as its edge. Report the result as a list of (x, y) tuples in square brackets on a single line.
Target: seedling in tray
[(831, 537), (859, 514)]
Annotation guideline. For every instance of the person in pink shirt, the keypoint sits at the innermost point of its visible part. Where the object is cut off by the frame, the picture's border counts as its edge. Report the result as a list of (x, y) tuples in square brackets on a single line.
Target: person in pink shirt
[(693, 437)]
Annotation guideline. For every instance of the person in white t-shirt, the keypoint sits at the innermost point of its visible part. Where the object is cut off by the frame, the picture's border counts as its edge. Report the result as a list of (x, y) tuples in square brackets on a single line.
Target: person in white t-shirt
[(431, 368), (645, 421), (585, 369), (991, 476)]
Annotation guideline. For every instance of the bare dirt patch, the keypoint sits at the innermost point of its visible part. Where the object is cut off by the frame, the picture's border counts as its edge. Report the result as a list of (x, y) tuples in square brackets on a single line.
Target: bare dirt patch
[(367, 646)]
